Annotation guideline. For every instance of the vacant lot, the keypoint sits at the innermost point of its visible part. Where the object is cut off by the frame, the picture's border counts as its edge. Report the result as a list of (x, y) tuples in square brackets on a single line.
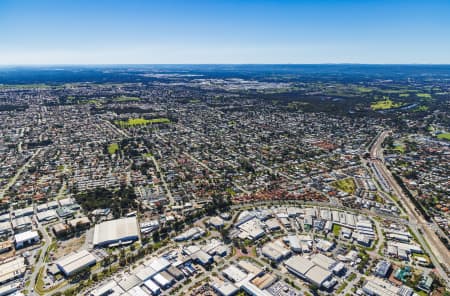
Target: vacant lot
[(68, 246)]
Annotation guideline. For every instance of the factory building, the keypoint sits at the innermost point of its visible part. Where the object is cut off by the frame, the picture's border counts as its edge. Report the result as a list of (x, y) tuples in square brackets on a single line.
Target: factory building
[(75, 262), (116, 232)]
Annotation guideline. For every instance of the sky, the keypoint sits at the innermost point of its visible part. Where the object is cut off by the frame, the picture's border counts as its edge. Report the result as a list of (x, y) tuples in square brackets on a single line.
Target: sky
[(224, 32)]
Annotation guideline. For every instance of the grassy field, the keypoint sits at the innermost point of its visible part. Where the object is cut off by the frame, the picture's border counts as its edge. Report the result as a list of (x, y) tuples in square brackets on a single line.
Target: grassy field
[(399, 147), (444, 136), (336, 230), (403, 95), (364, 89), (347, 185), (423, 95), (385, 104), (113, 147), (140, 121), (421, 108)]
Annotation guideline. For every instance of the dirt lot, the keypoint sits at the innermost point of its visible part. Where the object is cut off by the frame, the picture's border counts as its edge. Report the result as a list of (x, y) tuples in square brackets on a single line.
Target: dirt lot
[(68, 246)]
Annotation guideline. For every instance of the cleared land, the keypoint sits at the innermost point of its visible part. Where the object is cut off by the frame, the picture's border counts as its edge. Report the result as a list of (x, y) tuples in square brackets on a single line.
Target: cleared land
[(347, 185), (140, 121), (68, 246)]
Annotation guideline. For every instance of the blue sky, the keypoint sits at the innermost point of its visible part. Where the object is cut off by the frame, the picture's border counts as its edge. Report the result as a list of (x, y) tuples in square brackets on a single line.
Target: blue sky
[(219, 31)]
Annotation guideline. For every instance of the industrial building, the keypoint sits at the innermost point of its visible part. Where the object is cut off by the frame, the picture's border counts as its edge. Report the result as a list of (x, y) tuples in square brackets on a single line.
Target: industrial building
[(275, 251), (116, 232), (252, 229), (76, 262), (152, 287), (26, 238), (9, 289), (234, 274), (21, 224), (46, 216), (191, 234), (5, 228), (378, 287), (225, 289), (12, 269), (382, 269), (136, 291), (307, 270)]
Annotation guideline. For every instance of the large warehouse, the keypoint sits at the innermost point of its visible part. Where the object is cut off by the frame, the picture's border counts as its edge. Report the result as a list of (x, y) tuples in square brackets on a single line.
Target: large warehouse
[(116, 232), (12, 269), (76, 262), (307, 270)]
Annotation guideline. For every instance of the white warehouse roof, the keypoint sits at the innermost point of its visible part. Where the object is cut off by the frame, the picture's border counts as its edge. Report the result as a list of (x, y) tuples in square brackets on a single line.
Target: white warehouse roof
[(114, 231), (12, 269), (26, 236), (75, 262)]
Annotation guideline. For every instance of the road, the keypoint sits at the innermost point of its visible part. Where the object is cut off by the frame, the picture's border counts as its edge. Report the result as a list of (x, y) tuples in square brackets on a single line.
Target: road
[(41, 260), (163, 180), (420, 227), (117, 130)]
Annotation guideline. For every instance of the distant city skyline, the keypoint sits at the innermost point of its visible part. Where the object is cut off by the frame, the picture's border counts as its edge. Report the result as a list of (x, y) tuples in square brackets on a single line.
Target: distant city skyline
[(224, 32)]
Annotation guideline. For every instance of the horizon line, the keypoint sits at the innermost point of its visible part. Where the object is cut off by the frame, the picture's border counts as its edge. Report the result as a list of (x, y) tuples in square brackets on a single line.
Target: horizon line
[(222, 64)]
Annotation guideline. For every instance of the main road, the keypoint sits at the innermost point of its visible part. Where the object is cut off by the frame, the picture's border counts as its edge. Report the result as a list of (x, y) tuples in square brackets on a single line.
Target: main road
[(427, 237), (41, 260)]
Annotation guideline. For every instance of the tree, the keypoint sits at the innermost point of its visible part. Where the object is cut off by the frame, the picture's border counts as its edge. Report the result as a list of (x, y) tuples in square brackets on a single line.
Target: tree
[(156, 236), (314, 289)]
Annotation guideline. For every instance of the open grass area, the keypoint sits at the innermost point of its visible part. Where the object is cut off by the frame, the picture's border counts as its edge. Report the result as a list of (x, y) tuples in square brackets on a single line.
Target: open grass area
[(424, 95), (113, 147), (336, 230), (97, 102), (347, 185), (403, 95), (385, 104), (127, 99), (364, 89), (131, 122), (421, 108), (25, 86), (400, 147), (444, 136)]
